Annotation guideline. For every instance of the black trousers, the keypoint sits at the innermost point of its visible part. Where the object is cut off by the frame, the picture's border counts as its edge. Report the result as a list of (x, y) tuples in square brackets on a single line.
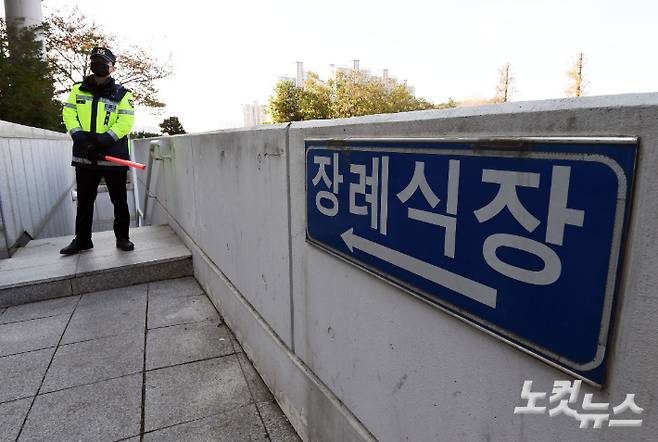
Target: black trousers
[(88, 180)]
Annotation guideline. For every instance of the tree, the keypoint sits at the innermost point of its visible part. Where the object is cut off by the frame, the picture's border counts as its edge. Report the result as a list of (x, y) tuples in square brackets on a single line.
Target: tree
[(172, 126), (355, 94), (285, 104), (315, 99), (577, 83), (70, 36), (505, 85), (398, 99), (447, 105), (26, 80), (347, 94)]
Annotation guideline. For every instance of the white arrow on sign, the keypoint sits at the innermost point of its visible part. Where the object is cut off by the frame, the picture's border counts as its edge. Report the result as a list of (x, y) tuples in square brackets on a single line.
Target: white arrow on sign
[(467, 287)]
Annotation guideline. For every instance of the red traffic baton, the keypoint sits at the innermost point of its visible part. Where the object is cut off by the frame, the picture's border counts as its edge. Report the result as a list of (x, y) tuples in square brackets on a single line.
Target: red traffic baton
[(124, 162)]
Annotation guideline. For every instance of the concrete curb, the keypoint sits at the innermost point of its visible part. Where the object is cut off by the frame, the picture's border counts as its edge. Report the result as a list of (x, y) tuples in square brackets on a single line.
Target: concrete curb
[(34, 291)]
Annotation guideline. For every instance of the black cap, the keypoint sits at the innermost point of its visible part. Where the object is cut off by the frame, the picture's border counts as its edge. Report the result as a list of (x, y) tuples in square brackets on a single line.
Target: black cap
[(103, 53)]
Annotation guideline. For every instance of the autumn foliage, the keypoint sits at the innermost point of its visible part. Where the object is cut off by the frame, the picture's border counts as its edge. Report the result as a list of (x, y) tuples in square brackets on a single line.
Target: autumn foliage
[(71, 35), (347, 94)]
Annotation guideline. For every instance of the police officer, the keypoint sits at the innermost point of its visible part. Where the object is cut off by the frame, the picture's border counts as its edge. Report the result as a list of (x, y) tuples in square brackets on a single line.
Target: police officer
[(99, 115)]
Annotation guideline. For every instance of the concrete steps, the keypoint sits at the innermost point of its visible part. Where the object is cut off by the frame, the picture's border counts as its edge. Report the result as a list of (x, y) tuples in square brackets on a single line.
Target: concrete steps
[(38, 272)]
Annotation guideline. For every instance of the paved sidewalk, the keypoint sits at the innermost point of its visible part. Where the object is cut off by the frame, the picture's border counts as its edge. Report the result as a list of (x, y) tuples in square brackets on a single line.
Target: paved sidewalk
[(75, 368)]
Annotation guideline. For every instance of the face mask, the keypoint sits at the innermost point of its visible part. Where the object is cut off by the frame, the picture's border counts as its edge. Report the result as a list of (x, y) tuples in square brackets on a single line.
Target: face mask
[(100, 69)]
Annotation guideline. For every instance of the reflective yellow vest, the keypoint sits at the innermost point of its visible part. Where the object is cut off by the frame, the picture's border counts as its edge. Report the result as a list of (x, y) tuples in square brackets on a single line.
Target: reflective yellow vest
[(114, 115)]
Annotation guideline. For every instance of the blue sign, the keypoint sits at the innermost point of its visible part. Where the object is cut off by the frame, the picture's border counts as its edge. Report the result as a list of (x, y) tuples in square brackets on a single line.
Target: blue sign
[(521, 238)]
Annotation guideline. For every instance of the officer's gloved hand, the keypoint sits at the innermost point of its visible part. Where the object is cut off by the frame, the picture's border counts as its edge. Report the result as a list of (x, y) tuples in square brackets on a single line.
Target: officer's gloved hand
[(80, 139), (91, 152), (105, 140)]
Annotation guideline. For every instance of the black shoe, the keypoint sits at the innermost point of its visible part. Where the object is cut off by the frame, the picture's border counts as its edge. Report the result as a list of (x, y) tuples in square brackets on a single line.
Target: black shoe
[(125, 245), (77, 245)]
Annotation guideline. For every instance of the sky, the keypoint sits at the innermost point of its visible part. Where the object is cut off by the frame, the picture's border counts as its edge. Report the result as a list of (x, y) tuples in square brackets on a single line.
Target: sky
[(225, 54)]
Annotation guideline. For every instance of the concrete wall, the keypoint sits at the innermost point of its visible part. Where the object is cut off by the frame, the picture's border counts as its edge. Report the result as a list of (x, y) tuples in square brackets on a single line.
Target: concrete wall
[(350, 357), (35, 184), (221, 207)]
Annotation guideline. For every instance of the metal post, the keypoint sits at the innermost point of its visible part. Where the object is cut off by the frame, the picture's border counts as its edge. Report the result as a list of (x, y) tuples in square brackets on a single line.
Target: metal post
[(4, 251), (23, 13), (149, 168), (138, 212)]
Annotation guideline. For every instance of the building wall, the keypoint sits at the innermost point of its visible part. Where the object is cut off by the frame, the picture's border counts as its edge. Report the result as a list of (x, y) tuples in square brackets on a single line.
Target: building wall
[(253, 114), (350, 357)]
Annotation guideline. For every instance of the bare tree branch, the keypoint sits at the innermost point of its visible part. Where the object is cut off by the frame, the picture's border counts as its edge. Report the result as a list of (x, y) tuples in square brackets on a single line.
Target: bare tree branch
[(70, 35)]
